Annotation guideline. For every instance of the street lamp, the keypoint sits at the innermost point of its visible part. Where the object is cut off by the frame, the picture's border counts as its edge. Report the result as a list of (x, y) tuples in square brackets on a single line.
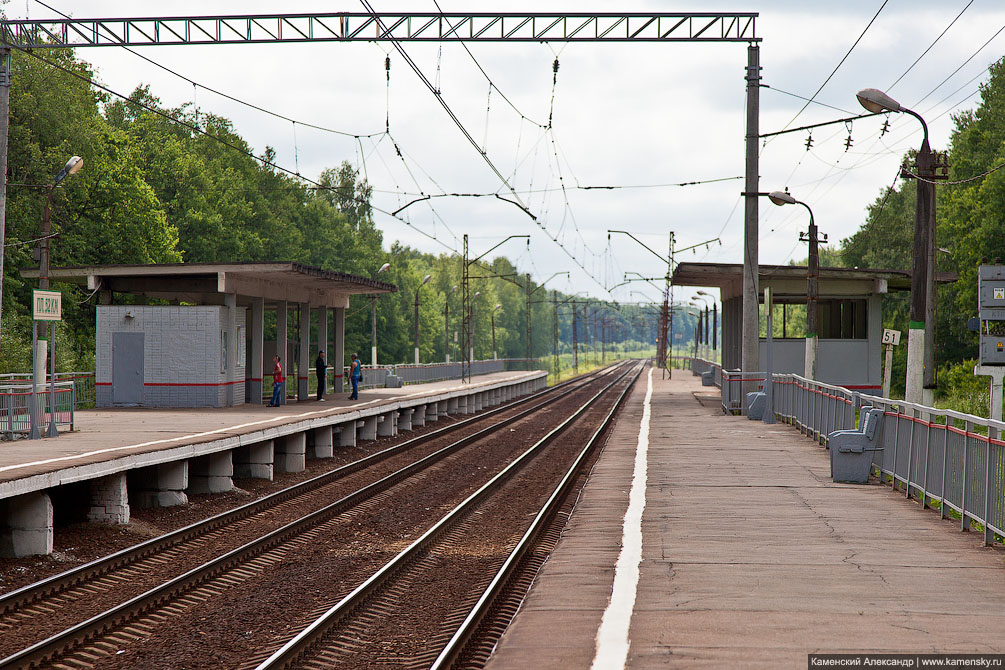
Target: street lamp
[(921, 336), (373, 320), (782, 198), (495, 353), (715, 322), (425, 280), (703, 320), (38, 357), (446, 322)]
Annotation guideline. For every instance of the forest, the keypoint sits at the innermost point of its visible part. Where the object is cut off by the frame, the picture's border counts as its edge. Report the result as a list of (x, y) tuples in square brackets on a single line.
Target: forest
[(164, 185)]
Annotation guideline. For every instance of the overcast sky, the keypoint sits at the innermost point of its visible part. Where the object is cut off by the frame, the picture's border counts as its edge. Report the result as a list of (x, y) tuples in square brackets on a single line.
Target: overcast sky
[(626, 115)]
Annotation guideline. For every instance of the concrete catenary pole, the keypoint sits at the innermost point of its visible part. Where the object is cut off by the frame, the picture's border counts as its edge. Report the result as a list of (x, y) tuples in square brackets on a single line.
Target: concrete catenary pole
[(749, 341)]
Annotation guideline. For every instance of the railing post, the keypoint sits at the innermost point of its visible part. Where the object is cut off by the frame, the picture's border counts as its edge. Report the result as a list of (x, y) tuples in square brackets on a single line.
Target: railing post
[(945, 462), (924, 482), (989, 536), (964, 526)]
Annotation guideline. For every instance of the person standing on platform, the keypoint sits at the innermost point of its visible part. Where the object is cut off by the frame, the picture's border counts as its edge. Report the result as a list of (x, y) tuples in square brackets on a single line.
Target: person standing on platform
[(355, 374), (320, 368), (277, 382)]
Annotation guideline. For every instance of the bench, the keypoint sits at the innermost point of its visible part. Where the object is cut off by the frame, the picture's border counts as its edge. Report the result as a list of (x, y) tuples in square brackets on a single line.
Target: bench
[(851, 450)]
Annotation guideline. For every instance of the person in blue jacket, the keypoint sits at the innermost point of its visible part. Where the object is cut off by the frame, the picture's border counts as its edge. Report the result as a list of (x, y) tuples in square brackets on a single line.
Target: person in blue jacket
[(355, 374)]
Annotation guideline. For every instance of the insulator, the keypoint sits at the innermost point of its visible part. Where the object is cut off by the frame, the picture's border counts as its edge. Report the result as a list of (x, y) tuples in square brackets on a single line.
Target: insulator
[(554, 66)]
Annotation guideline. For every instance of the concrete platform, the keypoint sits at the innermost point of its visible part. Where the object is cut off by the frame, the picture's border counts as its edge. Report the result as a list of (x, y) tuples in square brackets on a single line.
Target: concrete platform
[(751, 557), (154, 456)]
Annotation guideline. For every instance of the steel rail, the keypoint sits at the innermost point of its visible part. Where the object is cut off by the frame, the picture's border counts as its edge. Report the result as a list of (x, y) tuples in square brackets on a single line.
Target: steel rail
[(68, 639), (292, 652), (466, 632), (56, 584)]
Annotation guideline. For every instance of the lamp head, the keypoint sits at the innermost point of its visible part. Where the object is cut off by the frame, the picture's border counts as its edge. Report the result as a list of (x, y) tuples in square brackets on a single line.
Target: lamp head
[(477, 293), (383, 268), (425, 280), (781, 198), (876, 101), (453, 288), (498, 306), (72, 167)]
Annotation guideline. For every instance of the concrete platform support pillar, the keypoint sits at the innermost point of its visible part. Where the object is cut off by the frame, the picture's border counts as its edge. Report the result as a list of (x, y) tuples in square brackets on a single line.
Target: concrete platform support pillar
[(291, 453), (388, 425), (254, 461), (419, 416), (441, 408), (405, 418), (212, 473), (26, 528), (282, 312), (462, 404), (304, 362), (160, 485), (431, 412), (337, 359), (347, 434), (452, 405), (367, 428), (323, 343), (256, 351), (323, 446)]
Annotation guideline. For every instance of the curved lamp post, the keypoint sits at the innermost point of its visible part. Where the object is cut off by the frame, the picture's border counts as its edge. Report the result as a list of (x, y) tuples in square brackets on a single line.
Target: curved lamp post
[(921, 335), (38, 351), (782, 198), (373, 320), (425, 280)]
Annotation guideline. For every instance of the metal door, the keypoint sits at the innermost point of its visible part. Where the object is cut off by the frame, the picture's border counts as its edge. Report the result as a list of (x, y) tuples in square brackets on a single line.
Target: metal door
[(127, 368)]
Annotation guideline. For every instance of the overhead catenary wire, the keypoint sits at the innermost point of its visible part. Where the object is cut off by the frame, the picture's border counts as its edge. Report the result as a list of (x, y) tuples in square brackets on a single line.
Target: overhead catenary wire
[(205, 133)]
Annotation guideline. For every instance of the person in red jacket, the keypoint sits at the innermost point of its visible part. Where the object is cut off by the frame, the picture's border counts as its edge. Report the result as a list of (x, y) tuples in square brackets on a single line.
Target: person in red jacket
[(277, 383)]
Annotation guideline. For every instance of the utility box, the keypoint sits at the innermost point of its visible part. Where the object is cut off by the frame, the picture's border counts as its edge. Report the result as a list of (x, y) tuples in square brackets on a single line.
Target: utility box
[(991, 314)]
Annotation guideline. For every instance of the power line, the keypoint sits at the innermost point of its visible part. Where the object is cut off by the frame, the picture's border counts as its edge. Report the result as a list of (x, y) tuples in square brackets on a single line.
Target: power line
[(838, 66), (221, 93), (923, 53), (464, 131), (220, 140)]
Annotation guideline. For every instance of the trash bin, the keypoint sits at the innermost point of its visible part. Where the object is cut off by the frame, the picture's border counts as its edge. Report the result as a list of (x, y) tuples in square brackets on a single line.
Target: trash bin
[(851, 451), (757, 402)]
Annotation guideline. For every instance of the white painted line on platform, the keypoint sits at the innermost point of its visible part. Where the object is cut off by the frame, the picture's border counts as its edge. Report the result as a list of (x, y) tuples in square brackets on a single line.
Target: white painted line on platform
[(612, 636)]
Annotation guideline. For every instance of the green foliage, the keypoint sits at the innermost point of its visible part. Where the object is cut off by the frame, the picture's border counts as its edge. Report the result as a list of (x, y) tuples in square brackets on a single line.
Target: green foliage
[(155, 191), (960, 389)]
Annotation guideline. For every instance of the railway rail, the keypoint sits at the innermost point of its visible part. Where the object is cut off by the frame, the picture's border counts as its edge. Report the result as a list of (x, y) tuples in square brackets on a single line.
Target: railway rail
[(108, 632), (336, 637)]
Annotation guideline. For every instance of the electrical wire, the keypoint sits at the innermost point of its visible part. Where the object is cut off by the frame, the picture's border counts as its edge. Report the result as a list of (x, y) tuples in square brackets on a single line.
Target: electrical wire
[(936, 41), (221, 93), (812, 98), (193, 128)]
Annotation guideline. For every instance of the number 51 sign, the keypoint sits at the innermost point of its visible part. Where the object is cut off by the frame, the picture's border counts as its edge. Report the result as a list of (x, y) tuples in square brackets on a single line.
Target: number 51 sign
[(891, 336), (46, 305)]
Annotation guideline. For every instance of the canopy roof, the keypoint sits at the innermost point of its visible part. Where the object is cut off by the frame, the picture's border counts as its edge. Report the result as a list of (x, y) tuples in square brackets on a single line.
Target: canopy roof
[(207, 283)]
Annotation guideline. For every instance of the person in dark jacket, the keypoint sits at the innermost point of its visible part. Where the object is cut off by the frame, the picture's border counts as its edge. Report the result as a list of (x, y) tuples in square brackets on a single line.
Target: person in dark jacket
[(320, 368)]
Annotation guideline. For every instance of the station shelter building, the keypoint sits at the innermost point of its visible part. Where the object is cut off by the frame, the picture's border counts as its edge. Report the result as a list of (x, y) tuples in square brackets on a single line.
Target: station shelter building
[(850, 317), (206, 347)]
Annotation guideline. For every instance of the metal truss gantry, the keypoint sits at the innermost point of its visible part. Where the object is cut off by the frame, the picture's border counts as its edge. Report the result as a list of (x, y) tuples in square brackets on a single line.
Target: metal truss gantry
[(365, 27)]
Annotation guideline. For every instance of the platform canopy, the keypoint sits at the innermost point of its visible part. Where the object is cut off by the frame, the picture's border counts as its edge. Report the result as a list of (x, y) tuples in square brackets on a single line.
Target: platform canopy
[(207, 283), (791, 279)]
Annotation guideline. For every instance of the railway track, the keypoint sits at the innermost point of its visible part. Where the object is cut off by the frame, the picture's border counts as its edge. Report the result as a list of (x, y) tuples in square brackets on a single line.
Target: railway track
[(356, 631), (85, 592)]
